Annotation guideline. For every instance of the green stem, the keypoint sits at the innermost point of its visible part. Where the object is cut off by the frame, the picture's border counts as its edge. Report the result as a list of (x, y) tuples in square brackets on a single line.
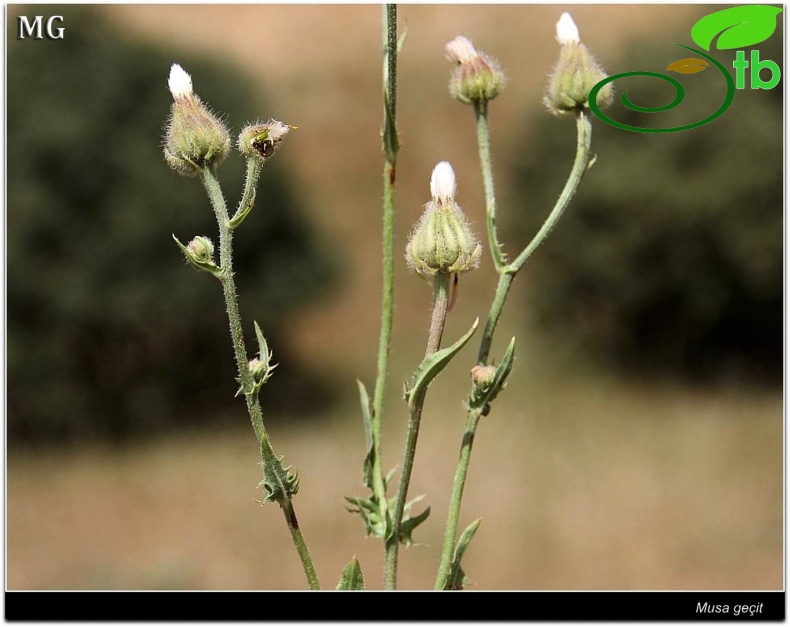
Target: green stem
[(497, 305), (580, 166), (387, 254), (506, 275), (441, 299), (484, 150), (461, 471), (214, 192)]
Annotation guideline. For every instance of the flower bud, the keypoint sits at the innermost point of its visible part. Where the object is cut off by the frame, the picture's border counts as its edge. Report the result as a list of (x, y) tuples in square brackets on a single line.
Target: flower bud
[(194, 136), (200, 253), (475, 76), (258, 369), (442, 240), (575, 73), (483, 377), (201, 250), (260, 139)]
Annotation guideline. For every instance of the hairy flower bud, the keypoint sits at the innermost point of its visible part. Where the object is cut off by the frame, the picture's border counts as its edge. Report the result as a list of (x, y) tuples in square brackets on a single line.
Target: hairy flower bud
[(260, 139), (475, 76), (194, 136), (575, 73), (483, 377), (202, 249), (442, 240)]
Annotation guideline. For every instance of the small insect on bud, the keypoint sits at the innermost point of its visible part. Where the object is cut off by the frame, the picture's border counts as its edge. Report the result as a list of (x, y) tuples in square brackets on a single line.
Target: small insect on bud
[(194, 136), (475, 77), (260, 139), (575, 73), (442, 240)]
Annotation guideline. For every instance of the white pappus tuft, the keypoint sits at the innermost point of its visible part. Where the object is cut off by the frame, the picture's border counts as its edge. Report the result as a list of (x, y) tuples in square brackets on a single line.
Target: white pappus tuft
[(567, 31), (179, 82), (443, 181)]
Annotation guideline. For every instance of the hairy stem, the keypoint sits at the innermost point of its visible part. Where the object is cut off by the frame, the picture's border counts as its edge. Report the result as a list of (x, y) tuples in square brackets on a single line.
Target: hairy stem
[(580, 166), (214, 192), (484, 150), (507, 272), (441, 299), (390, 149), (461, 472)]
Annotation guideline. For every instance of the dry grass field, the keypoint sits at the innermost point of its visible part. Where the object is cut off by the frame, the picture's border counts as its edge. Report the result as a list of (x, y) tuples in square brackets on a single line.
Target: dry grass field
[(583, 481), (581, 485)]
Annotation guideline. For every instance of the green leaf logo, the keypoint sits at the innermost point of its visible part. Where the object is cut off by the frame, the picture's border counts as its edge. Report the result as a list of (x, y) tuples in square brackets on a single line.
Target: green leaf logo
[(738, 27), (688, 66)]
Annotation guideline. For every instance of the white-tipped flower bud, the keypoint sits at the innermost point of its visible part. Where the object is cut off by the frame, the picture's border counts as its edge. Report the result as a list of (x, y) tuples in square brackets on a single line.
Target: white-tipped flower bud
[(567, 31), (194, 137), (475, 77), (260, 139), (179, 82), (443, 182), (442, 240), (575, 73)]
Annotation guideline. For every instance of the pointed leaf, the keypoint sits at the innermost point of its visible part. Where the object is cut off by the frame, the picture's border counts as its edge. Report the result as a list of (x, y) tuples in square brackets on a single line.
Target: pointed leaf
[(456, 579), (738, 27), (688, 66), (243, 211), (370, 451), (480, 399), (351, 578), (433, 364), (408, 525)]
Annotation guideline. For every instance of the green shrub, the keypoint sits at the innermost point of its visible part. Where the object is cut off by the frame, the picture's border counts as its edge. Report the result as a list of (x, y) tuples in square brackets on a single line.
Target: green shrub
[(669, 259), (109, 331)]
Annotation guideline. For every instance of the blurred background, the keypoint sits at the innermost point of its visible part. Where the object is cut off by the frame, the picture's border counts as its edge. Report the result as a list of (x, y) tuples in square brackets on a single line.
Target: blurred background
[(639, 444)]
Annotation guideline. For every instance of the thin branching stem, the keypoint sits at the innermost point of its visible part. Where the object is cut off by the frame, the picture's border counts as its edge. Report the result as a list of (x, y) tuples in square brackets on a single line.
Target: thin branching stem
[(507, 273), (214, 192)]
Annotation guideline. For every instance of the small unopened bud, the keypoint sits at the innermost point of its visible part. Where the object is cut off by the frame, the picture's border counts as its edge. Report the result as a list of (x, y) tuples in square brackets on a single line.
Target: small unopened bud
[(575, 73), (483, 377), (194, 136), (201, 249), (200, 253), (260, 139), (475, 77), (258, 369), (442, 240)]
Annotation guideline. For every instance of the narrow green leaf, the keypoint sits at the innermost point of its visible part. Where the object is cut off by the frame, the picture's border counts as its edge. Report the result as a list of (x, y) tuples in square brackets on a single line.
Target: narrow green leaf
[(370, 451), (738, 27), (351, 578), (481, 399), (263, 347), (432, 365), (457, 580), (243, 211)]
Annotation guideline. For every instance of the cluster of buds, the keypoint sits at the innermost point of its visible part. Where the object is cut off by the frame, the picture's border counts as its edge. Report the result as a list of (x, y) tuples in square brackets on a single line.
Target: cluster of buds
[(575, 73), (195, 138), (476, 77), (442, 240)]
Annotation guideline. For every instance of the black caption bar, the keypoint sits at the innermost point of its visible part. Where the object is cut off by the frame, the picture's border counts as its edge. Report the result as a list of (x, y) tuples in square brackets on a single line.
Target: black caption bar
[(430, 606)]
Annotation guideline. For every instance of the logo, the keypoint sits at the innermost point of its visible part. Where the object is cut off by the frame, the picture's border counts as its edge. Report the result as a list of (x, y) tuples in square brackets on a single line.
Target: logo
[(737, 27)]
